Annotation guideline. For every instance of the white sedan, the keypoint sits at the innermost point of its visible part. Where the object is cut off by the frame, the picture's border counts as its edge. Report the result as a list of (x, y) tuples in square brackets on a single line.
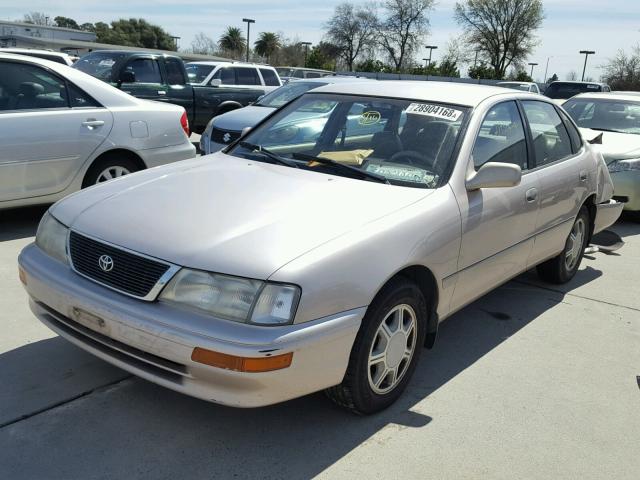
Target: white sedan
[(62, 130)]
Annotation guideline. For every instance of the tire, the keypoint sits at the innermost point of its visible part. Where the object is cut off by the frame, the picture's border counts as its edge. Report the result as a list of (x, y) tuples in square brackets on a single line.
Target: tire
[(563, 267), (117, 164), (358, 392)]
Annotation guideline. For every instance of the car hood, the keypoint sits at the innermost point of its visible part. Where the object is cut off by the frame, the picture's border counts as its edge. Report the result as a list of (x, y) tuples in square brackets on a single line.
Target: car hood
[(615, 146), (229, 215), (236, 120)]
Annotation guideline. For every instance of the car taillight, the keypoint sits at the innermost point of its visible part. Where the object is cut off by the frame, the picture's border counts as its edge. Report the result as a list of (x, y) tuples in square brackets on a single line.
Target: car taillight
[(184, 121)]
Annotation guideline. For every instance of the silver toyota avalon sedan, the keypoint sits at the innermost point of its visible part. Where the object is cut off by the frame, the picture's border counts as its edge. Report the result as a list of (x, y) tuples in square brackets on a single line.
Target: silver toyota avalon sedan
[(304, 259)]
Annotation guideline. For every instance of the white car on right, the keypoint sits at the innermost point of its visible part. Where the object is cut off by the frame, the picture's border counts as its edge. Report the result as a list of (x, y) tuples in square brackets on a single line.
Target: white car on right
[(616, 117)]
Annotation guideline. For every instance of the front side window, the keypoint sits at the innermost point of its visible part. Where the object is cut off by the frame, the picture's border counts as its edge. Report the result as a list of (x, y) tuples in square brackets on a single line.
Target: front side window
[(270, 77), (226, 76), (146, 70), (247, 76), (29, 87), (198, 73), (609, 115), (550, 138), (501, 137), (402, 142)]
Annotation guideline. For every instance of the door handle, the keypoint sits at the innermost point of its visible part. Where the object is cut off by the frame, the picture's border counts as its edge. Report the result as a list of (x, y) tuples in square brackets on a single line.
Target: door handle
[(92, 123), (162, 92), (531, 195), (583, 175)]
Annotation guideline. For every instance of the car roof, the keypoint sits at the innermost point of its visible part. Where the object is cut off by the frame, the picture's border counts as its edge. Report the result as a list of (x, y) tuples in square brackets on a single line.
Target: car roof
[(579, 82), (514, 82), (33, 50), (445, 92), (331, 79), (631, 96)]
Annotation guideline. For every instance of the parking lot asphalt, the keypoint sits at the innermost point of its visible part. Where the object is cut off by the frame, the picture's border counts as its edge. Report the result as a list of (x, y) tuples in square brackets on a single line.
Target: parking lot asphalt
[(531, 381)]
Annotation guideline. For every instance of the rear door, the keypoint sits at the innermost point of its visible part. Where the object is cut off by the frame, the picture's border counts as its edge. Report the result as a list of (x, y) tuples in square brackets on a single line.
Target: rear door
[(149, 83), (48, 129), (498, 224), (178, 91), (564, 170)]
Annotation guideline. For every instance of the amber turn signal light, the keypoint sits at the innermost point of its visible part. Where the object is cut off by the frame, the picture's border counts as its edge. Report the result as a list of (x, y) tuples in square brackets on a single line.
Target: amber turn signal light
[(23, 275), (241, 364)]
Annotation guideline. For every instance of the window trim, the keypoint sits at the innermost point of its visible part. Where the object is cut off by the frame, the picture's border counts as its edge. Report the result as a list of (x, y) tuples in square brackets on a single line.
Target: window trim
[(566, 118), (535, 159)]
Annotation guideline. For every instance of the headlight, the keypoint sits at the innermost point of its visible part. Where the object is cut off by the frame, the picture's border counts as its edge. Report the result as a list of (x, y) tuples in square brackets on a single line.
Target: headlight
[(52, 237), (233, 298), (624, 165)]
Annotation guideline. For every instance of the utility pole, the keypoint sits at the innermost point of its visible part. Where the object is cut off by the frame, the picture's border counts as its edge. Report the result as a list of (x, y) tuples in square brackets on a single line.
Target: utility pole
[(249, 22), (532, 65), (431, 49), (546, 70), (306, 50), (586, 54)]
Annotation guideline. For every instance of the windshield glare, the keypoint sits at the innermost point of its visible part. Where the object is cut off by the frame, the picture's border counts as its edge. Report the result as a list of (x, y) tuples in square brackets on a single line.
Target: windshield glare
[(408, 142), (100, 64), (615, 115), (286, 93)]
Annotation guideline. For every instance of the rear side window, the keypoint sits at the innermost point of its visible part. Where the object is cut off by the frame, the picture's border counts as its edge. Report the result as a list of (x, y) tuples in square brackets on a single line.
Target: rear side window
[(29, 87), (550, 138), (226, 76), (313, 75), (501, 137), (270, 77), (175, 73), (79, 99), (146, 70), (247, 76)]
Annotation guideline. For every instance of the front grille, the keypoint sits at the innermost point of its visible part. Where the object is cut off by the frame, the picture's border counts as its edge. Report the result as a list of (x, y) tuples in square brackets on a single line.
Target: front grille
[(218, 136), (130, 273)]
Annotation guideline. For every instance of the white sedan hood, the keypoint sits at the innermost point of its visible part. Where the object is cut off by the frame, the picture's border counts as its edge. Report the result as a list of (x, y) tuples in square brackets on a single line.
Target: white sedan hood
[(229, 215), (615, 146)]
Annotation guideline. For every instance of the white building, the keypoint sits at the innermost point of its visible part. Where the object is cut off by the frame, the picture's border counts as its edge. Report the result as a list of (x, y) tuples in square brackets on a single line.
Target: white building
[(27, 35)]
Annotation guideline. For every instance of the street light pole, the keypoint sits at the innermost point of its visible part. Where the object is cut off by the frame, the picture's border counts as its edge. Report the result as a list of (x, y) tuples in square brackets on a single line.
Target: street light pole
[(431, 49), (249, 22), (586, 54), (306, 49), (546, 70), (532, 65), (426, 65)]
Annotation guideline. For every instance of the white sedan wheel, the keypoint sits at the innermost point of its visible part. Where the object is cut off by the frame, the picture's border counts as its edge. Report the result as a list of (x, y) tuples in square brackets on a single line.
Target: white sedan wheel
[(112, 172)]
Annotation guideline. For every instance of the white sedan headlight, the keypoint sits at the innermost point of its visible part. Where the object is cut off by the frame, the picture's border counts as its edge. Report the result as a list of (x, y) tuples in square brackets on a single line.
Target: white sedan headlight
[(52, 238), (233, 298), (624, 165)]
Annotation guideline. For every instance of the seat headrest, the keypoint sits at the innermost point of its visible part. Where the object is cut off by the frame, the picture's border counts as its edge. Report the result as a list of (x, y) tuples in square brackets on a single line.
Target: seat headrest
[(31, 89)]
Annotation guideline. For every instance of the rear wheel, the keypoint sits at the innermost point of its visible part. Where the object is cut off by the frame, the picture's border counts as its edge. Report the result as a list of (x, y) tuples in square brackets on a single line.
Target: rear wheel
[(107, 168), (386, 349), (563, 267)]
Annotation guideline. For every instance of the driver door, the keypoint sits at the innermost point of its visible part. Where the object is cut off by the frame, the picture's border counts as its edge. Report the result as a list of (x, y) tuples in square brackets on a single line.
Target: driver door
[(498, 224)]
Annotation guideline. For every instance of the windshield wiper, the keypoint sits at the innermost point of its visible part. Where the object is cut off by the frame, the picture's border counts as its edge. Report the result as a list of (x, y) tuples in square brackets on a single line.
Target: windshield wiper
[(347, 168), (268, 153)]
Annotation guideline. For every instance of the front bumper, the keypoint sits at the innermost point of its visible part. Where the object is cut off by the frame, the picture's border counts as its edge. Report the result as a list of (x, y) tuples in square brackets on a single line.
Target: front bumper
[(627, 185), (606, 215), (155, 341)]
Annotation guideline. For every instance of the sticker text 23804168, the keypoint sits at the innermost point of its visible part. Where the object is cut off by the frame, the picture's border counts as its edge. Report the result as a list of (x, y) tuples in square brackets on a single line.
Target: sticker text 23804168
[(437, 111)]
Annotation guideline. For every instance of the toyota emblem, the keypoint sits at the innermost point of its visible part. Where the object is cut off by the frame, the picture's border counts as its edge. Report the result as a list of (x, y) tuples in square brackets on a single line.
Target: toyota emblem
[(226, 137), (106, 263)]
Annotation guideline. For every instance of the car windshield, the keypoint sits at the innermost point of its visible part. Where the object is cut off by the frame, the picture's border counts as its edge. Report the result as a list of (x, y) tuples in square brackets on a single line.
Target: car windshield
[(402, 142), (561, 90), (515, 86), (198, 73), (607, 115), (286, 93), (100, 64)]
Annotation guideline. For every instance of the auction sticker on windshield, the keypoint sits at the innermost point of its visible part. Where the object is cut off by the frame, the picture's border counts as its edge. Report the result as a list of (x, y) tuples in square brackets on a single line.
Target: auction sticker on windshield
[(436, 111)]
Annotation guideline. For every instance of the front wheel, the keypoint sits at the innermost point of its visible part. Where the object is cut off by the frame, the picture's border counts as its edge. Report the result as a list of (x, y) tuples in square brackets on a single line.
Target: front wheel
[(563, 267), (386, 350)]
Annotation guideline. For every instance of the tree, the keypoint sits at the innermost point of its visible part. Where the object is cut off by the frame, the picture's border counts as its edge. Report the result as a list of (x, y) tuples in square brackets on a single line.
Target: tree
[(373, 65), (267, 44), (323, 56), (503, 31), (233, 42), (482, 71), (66, 22), (449, 68), (572, 76), (405, 25), (135, 33), (203, 44), (36, 18), (622, 72), (353, 30), (553, 78)]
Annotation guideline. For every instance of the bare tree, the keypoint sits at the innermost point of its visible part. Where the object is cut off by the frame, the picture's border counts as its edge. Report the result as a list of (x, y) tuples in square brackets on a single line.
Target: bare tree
[(572, 76), (503, 31), (353, 30), (405, 25), (37, 18), (622, 72), (203, 44)]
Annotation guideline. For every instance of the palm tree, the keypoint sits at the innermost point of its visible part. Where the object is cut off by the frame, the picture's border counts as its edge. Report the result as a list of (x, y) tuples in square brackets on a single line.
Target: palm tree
[(267, 44), (233, 41)]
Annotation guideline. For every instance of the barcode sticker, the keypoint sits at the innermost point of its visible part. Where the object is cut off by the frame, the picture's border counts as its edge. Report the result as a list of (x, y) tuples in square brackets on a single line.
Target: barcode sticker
[(437, 111)]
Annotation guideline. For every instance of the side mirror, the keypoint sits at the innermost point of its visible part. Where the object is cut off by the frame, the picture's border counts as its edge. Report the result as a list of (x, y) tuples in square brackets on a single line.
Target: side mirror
[(495, 175), (216, 82), (245, 130), (127, 76)]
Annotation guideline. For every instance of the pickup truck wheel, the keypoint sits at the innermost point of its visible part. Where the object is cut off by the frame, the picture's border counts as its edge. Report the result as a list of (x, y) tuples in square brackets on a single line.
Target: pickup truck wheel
[(108, 168), (386, 350), (563, 267)]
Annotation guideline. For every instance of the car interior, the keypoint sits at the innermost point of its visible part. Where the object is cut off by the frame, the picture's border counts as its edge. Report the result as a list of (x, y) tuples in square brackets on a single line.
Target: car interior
[(26, 87)]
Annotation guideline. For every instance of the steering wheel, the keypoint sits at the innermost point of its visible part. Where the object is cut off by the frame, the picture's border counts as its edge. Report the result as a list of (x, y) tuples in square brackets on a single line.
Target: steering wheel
[(423, 160)]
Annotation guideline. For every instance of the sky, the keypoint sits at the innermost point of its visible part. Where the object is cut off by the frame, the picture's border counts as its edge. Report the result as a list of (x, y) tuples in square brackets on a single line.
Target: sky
[(569, 25)]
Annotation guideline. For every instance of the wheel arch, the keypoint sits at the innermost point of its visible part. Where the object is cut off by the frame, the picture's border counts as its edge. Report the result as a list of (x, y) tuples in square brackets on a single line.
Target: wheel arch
[(227, 106), (124, 152)]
